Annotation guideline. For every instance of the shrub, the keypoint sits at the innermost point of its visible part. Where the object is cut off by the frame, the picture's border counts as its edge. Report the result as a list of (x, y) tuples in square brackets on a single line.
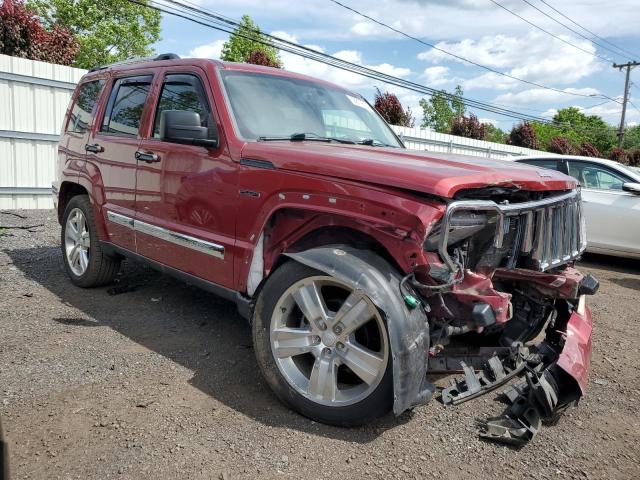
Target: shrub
[(634, 158), (587, 149), (619, 155), (560, 145), (259, 57), (523, 135), (390, 108), (469, 127), (22, 35)]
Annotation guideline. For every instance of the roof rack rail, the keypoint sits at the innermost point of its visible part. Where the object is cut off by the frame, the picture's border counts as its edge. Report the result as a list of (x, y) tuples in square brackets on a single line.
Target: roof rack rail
[(157, 58)]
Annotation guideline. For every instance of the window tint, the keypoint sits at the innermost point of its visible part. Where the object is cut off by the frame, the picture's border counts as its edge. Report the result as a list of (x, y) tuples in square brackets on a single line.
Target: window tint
[(544, 163), (81, 113), (596, 176), (183, 92), (125, 106)]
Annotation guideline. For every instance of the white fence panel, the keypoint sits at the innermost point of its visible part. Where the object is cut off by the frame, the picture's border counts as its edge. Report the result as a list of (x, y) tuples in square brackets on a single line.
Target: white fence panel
[(427, 140), (33, 99)]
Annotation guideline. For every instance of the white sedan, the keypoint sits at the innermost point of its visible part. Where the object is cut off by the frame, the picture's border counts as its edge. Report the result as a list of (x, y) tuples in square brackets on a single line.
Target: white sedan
[(611, 198)]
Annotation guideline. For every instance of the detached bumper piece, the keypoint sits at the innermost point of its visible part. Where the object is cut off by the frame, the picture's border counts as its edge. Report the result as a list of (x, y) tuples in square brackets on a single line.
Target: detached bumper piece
[(495, 373), (554, 376), (531, 403)]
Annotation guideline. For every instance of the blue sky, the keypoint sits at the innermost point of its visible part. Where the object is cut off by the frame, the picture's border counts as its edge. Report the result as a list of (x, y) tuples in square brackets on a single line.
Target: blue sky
[(475, 29)]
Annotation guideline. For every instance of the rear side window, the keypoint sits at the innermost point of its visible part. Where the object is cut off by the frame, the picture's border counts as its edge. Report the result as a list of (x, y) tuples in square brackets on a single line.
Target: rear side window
[(82, 111), (125, 106), (183, 92)]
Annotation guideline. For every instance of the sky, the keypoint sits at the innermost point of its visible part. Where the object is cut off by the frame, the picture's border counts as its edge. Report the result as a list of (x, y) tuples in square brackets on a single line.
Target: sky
[(478, 30)]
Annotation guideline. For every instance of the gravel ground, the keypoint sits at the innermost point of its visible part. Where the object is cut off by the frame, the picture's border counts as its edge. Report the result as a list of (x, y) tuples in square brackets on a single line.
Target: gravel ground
[(161, 382)]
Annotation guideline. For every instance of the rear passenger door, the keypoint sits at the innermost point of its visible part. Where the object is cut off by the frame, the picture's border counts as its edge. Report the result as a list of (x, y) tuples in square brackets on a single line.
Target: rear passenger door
[(111, 151), (72, 147), (187, 195)]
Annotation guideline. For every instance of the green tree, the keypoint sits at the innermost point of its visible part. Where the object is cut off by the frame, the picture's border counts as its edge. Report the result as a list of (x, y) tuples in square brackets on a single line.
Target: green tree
[(580, 128), (632, 138), (495, 134), (441, 109), (245, 41), (107, 31)]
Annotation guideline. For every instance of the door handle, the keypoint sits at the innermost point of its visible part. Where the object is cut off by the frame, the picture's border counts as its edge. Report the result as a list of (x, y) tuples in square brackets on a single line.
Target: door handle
[(95, 148), (148, 157)]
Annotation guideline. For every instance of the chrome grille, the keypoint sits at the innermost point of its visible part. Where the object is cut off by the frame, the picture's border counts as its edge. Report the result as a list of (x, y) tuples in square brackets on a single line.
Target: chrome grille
[(551, 230)]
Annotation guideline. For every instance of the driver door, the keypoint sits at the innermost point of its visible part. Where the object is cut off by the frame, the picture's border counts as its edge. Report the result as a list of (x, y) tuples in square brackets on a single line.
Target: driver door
[(186, 195)]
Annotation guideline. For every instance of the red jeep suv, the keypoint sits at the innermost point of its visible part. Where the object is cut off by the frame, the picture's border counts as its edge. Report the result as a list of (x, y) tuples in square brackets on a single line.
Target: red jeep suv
[(361, 265)]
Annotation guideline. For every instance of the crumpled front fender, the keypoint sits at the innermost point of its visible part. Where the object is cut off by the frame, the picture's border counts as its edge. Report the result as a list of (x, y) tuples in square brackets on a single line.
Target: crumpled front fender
[(408, 329)]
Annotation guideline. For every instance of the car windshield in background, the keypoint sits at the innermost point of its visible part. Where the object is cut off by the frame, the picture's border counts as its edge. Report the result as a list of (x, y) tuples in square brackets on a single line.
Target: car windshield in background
[(270, 107)]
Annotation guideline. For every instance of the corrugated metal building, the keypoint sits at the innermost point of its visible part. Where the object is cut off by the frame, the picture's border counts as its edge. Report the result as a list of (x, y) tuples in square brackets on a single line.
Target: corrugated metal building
[(33, 99)]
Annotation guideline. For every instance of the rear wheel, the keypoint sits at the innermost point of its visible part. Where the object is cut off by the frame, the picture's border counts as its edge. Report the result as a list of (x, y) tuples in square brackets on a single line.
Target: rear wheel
[(323, 347), (84, 261)]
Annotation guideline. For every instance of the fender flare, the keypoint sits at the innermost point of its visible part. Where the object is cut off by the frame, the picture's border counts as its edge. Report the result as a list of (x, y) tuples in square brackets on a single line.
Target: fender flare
[(408, 329)]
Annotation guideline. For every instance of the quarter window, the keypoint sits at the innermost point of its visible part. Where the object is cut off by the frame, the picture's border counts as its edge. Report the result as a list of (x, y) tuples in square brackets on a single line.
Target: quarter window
[(183, 92), (126, 103), (82, 111)]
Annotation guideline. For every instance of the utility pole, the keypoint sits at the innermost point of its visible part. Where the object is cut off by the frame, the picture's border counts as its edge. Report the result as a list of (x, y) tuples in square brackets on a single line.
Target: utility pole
[(628, 66)]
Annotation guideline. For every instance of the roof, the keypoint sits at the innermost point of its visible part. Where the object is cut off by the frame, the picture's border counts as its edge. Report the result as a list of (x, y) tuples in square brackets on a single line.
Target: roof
[(170, 59)]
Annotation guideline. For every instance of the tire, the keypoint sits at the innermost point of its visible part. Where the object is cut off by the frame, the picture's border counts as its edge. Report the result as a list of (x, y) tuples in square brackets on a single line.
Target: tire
[(84, 261), (346, 367)]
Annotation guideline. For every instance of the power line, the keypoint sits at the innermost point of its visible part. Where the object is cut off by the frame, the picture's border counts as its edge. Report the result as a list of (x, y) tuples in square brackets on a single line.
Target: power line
[(463, 59), (569, 28), (587, 30), (219, 22), (548, 32)]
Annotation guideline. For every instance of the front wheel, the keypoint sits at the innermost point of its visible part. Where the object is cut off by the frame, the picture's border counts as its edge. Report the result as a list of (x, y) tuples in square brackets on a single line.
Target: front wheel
[(323, 347)]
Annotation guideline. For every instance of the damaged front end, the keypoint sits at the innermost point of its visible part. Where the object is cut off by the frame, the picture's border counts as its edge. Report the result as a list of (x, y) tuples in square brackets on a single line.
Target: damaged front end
[(504, 301)]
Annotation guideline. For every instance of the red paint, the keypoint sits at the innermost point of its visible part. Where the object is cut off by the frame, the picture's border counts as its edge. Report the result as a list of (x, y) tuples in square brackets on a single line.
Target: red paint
[(575, 358)]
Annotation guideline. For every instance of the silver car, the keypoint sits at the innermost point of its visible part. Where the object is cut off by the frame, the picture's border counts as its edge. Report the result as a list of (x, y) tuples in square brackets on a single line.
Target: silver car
[(611, 198)]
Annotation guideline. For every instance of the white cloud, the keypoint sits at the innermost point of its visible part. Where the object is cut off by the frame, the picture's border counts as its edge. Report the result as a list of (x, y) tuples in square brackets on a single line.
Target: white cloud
[(209, 50), (534, 56), (436, 76), (345, 78)]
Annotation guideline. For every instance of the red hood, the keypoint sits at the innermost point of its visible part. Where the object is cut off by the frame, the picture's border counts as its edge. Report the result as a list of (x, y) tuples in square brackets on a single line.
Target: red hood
[(433, 173)]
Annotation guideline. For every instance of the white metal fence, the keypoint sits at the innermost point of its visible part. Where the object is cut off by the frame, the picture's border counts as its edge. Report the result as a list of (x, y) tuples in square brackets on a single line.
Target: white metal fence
[(34, 97), (427, 140)]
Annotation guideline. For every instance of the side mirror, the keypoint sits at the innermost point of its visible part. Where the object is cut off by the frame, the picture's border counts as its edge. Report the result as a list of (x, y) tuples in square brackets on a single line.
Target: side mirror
[(183, 126), (632, 187)]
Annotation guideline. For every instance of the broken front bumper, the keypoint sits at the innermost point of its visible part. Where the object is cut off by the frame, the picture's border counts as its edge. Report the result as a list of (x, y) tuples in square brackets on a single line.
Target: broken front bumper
[(554, 375)]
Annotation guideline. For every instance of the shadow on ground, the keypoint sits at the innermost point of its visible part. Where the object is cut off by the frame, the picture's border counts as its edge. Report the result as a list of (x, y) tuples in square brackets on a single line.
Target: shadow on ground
[(612, 266), (191, 327)]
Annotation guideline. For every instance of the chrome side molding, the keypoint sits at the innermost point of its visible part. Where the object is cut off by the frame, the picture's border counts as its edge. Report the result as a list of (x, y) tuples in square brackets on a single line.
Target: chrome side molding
[(167, 235)]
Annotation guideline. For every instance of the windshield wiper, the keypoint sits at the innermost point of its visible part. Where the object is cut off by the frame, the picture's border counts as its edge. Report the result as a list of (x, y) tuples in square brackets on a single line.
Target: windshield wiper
[(299, 137)]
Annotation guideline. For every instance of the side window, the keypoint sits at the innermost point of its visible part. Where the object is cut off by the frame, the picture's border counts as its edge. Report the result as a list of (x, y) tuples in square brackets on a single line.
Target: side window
[(125, 106), (596, 176), (82, 111), (551, 164), (183, 92)]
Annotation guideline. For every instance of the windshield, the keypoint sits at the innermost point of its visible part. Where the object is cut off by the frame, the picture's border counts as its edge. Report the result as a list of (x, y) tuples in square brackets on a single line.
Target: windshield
[(266, 106)]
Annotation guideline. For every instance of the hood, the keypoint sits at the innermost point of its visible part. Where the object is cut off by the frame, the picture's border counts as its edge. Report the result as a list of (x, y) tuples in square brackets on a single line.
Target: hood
[(432, 173)]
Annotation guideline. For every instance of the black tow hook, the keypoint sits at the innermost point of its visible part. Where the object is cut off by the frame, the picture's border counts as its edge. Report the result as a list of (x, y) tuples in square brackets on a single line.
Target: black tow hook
[(589, 285)]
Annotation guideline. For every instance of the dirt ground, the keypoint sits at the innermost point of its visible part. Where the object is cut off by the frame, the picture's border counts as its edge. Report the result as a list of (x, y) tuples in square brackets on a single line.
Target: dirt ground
[(161, 382)]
